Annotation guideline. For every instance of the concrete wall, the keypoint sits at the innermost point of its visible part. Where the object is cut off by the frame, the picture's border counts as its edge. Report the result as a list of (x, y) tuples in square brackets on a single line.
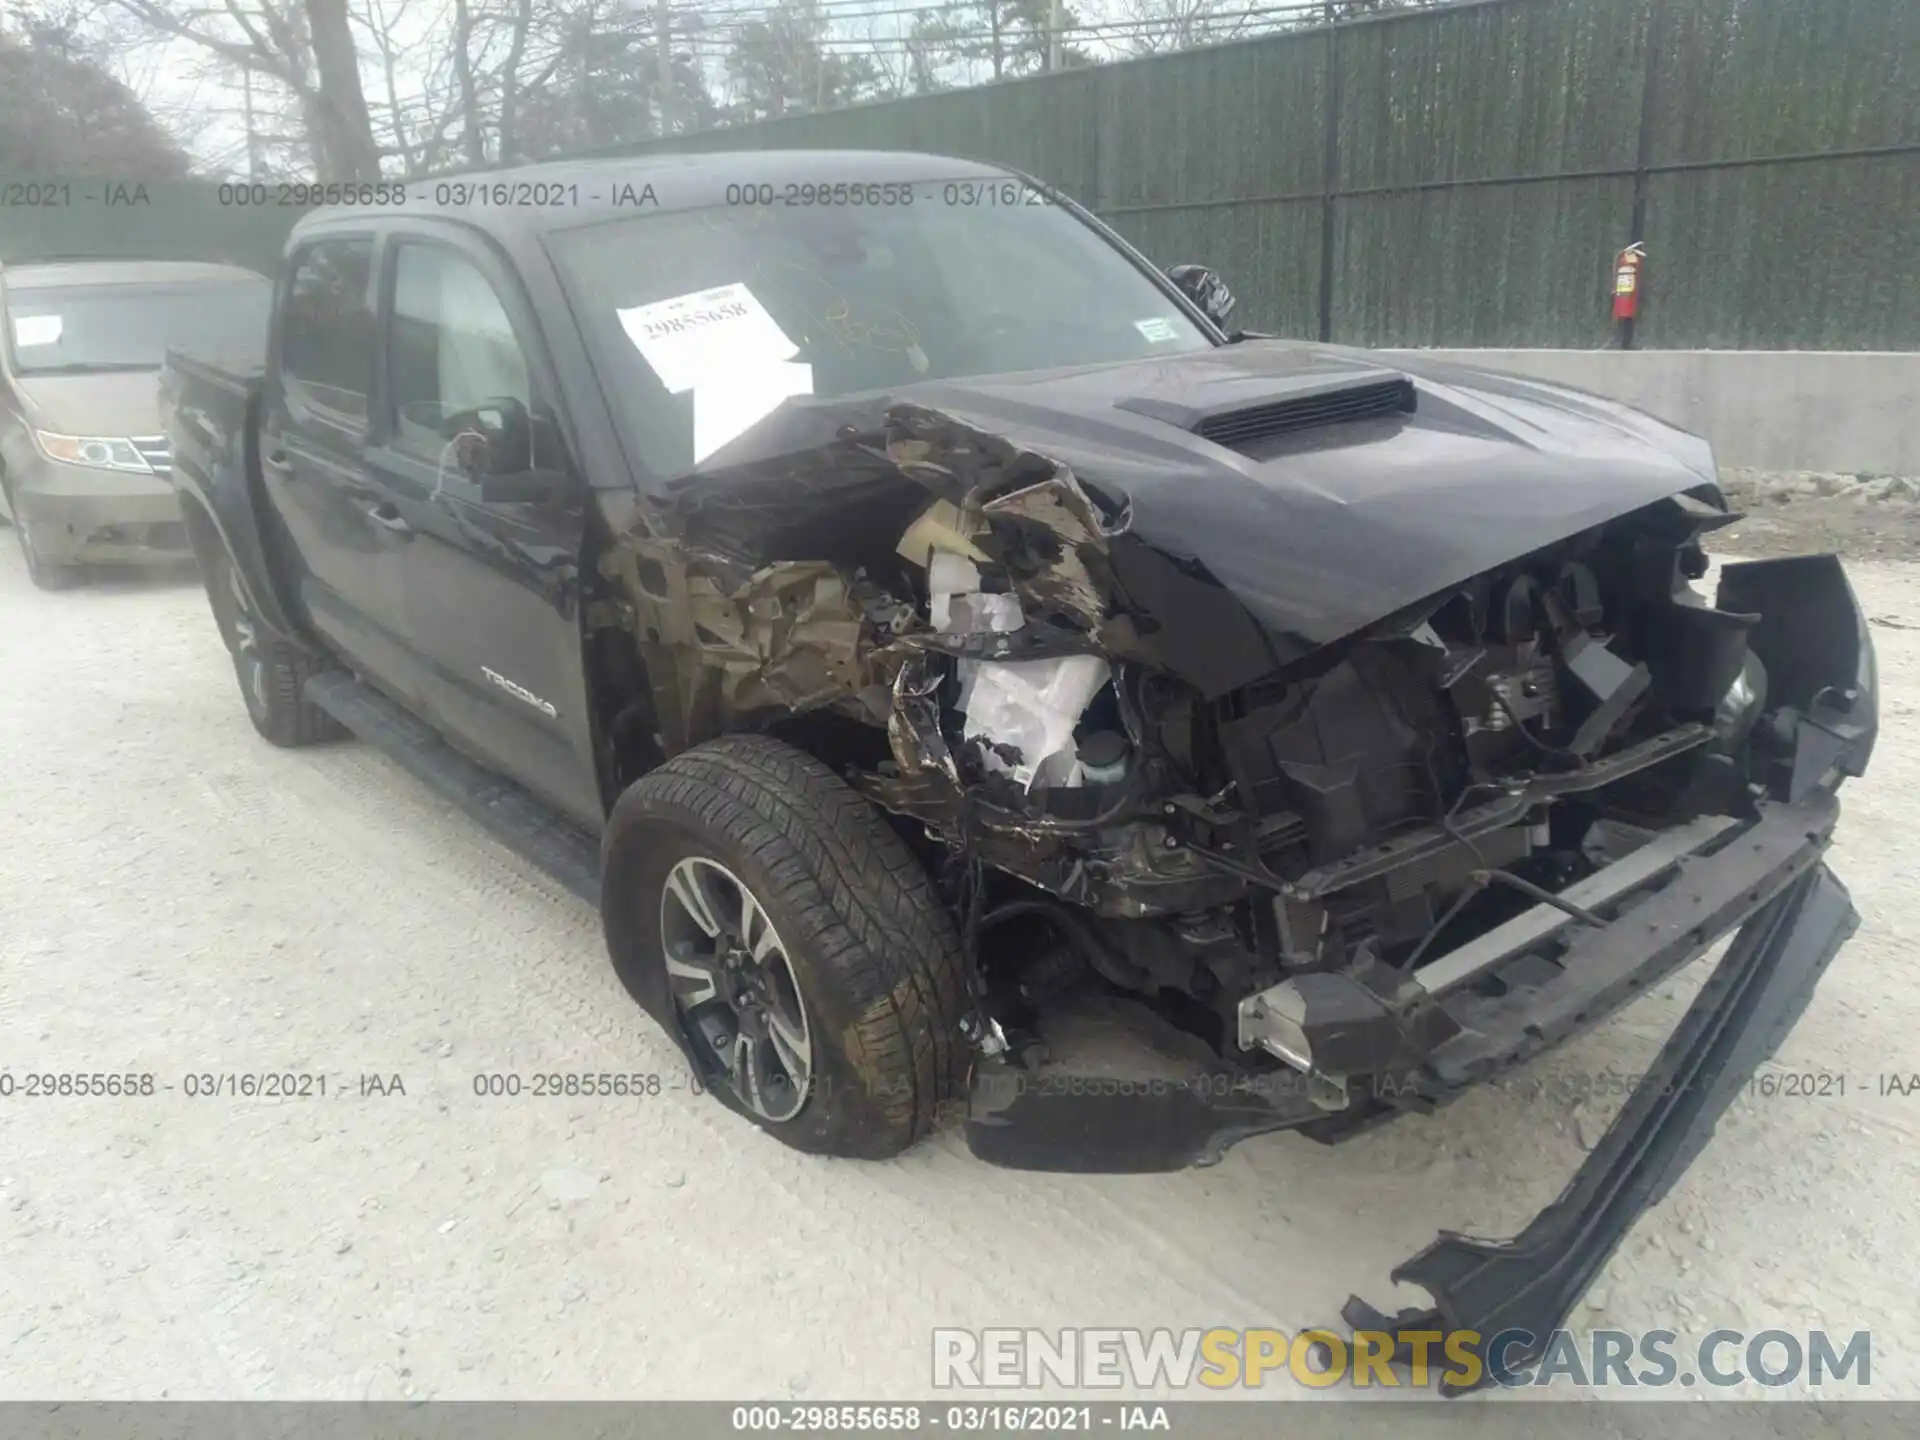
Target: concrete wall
[(1845, 411)]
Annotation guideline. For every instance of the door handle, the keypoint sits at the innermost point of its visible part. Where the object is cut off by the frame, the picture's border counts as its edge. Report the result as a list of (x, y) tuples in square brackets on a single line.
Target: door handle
[(389, 518), (278, 461)]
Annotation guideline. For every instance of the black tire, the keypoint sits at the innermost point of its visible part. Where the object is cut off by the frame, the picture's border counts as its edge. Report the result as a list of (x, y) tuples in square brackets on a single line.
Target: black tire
[(868, 945), (272, 673)]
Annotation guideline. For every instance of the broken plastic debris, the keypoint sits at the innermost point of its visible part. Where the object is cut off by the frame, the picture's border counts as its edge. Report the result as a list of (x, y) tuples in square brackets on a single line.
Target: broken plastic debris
[(1032, 707), (977, 614), (937, 529), (950, 574), (957, 606)]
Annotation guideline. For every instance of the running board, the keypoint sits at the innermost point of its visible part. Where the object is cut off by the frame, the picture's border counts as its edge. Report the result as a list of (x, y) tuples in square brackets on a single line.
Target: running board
[(517, 819)]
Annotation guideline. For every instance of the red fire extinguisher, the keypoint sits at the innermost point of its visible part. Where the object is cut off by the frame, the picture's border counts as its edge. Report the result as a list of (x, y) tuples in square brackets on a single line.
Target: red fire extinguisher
[(1626, 289)]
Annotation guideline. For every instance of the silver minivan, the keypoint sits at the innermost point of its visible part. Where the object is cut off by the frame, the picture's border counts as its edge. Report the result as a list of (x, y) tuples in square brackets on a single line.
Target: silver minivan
[(84, 461)]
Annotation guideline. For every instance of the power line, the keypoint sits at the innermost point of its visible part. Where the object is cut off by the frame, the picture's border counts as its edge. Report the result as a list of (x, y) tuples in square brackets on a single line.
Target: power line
[(1205, 20), (733, 18)]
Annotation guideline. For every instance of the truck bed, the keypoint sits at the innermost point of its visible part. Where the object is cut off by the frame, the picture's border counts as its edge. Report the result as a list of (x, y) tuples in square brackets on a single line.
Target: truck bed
[(204, 404)]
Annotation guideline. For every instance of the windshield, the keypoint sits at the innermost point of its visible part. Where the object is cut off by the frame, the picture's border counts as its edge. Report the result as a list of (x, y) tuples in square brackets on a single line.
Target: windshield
[(77, 328), (703, 321)]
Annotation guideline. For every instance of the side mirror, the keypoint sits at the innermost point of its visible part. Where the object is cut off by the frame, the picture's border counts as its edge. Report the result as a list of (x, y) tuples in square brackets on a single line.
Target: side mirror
[(505, 451), (1206, 289), (492, 438)]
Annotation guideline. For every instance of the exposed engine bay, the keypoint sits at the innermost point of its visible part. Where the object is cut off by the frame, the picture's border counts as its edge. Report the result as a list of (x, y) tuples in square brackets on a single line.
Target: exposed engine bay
[(1129, 783)]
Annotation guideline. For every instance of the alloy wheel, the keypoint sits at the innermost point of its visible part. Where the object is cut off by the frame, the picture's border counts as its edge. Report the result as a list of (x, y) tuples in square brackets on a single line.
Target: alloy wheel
[(733, 982)]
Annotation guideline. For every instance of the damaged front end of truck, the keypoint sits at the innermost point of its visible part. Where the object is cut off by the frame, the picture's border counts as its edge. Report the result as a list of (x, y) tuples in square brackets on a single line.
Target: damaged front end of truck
[(1272, 803)]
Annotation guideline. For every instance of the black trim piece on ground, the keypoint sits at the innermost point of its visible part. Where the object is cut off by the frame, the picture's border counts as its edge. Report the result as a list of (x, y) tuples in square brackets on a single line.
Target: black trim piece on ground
[(1512, 1294)]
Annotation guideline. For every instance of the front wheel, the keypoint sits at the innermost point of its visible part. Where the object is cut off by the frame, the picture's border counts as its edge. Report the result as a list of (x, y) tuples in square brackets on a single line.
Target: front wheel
[(759, 904)]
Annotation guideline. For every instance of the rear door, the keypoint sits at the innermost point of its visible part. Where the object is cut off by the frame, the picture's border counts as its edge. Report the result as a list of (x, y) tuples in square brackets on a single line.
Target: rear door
[(347, 536), (491, 586)]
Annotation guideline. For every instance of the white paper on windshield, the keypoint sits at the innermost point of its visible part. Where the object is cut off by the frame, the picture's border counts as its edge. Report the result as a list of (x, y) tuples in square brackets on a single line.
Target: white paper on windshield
[(726, 405), (35, 330), (1157, 329), (690, 337)]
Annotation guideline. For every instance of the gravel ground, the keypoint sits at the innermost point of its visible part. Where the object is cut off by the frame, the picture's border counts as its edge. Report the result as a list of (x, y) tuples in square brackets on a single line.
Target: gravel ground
[(176, 897), (1796, 512)]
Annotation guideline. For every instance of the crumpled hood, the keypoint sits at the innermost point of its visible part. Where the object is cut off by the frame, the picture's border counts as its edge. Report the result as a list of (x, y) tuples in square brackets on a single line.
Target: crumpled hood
[(1328, 530), (118, 404), (1341, 525)]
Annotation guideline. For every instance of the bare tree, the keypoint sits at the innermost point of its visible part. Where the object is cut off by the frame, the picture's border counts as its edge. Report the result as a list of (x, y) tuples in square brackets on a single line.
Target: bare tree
[(63, 114), (590, 78), (385, 28), (969, 40), (306, 46), (781, 65), (1154, 27)]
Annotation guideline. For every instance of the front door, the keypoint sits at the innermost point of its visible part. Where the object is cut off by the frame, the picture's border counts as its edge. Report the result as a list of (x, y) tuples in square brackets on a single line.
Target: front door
[(491, 584), (347, 535)]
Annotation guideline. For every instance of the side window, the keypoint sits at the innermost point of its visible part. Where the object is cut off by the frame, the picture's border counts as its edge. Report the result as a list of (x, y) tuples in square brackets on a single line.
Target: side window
[(326, 345), (453, 348)]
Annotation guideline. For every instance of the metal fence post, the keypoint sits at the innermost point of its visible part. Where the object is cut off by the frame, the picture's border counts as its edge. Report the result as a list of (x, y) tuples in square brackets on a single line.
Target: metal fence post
[(1643, 158), (1329, 174)]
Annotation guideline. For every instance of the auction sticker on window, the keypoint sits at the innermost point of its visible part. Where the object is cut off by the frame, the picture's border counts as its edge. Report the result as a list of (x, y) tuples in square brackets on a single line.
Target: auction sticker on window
[(35, 330), (689, 338), (1157, 329)]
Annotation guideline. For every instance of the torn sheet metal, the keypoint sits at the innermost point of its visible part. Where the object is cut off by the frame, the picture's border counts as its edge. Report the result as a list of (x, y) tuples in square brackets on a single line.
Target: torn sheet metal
[(1075, 560), (791, 637), (1052, 540), (913, 728)]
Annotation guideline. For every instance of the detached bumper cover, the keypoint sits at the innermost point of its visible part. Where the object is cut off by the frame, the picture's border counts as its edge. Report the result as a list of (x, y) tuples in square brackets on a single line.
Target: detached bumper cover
[(1161, 1109), (1510, 1295)]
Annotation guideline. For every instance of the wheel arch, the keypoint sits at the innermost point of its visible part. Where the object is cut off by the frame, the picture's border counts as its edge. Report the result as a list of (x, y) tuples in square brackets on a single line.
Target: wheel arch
[(222, 515)]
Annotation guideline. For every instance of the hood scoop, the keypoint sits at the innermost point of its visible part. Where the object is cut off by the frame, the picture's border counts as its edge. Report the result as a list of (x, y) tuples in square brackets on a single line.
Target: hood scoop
[(1308, 403)]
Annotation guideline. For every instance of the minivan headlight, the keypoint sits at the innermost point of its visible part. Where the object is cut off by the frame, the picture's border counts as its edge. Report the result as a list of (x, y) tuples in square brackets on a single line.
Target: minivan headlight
[(101, 452)]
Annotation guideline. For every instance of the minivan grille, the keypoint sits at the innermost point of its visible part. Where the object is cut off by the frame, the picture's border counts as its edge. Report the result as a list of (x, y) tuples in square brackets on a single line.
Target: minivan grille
[(157, 451)]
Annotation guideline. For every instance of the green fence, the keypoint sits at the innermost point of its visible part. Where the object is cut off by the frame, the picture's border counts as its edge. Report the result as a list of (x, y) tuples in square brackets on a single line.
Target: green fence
[(1464, 176), (1455, 176)]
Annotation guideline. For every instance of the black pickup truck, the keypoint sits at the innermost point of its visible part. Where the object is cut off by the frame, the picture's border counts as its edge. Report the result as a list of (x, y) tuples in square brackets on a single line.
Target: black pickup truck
[(972, 679)]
